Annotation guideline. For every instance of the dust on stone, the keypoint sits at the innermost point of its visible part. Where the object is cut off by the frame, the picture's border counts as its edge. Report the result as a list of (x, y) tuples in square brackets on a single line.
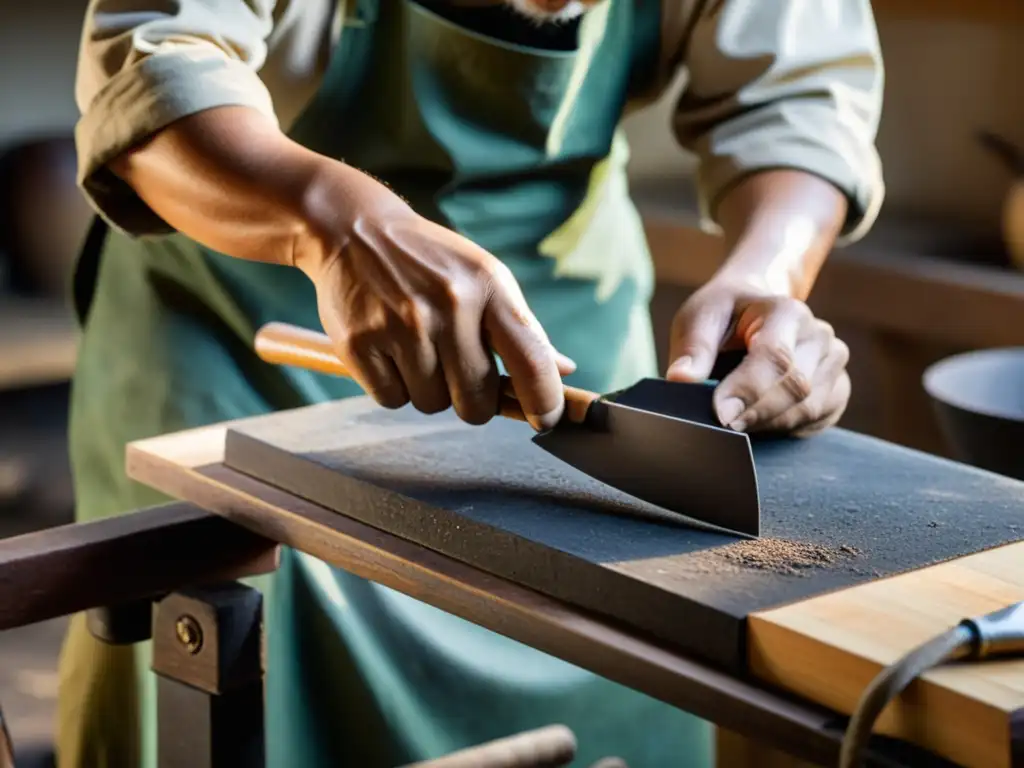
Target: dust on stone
[(793, 558)]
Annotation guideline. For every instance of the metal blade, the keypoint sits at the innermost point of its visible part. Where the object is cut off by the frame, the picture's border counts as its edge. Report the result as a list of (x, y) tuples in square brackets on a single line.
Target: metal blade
[(690, 467)]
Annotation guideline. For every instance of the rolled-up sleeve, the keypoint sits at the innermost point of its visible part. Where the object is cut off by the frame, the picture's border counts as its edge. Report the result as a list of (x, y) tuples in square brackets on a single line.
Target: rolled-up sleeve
[(785, 84), (144, 64)]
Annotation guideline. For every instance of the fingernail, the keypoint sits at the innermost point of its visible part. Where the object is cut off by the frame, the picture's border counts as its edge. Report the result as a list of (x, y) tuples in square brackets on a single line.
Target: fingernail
[(738, 426), (565, 362), (680, 367), (729, 412), (545, 421)]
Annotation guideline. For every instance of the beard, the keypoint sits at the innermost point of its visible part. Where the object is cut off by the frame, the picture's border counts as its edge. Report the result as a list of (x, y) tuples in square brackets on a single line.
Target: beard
[(550, 11), (539, 11)]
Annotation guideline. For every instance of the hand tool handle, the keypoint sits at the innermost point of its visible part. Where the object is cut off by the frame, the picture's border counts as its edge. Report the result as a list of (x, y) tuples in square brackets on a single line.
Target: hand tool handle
[(285, 344), (543, 748)]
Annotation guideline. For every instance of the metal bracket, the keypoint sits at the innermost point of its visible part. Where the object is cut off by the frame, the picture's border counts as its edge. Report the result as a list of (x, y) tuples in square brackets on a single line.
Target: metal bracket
[(208, 659)]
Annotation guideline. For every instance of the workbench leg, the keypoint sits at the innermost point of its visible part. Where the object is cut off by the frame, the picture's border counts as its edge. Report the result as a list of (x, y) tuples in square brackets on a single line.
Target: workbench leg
[(735, 751), (208, 658)]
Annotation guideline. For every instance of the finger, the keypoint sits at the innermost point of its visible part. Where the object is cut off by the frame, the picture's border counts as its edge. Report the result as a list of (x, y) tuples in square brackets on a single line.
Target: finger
[(367, 364), (804, 377), (420, 367), (530, 359), (825, 404), (378, 375), (772, 330), (471, 372), (822, 410), (698, 332)]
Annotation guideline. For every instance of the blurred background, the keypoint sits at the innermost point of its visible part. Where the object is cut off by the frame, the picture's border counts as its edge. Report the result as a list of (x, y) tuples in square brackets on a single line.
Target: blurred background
[(942, 273)]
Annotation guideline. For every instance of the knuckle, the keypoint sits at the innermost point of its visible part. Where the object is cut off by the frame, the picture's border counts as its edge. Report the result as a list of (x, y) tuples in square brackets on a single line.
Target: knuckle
[(418, 316), (797, 307), (808, 412), (798, 385), (462, 293), (777, 356), (363, 338), (356, 343), (537, 363), (493, 271), (841, 351)]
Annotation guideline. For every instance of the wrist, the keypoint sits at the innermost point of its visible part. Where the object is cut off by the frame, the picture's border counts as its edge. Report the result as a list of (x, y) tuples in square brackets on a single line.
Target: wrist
[(758, 274), (780, 226), (337, 202)]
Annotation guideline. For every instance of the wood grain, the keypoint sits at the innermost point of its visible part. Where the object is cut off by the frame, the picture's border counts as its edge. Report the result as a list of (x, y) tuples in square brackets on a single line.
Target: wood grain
[(188, 466), (123, 559), (735, 751), (828, 649)]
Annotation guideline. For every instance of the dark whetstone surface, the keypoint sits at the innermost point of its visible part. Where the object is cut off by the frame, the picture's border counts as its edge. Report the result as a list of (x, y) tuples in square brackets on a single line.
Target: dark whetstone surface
[(489, 497)]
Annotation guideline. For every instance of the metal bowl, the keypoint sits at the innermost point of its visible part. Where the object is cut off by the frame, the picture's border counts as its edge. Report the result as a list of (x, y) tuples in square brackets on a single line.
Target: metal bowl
[(979, 400)]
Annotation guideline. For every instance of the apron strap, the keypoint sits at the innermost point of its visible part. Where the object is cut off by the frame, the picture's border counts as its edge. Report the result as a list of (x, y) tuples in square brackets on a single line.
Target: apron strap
[(646, 50), (87, 269)]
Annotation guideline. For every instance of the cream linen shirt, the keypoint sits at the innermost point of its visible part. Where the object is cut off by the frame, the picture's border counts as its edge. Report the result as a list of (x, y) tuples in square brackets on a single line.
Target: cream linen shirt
[(769, 84)]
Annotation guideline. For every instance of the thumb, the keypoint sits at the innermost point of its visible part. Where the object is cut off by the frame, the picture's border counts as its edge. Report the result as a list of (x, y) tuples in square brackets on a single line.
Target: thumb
[(698, 331)]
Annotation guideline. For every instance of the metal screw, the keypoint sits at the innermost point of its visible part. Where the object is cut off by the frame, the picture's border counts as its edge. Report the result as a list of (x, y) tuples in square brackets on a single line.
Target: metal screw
[(189, 633)]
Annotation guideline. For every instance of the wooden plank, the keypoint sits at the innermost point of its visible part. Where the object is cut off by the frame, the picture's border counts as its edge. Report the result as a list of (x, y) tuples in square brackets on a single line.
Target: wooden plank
[(188, 465), (70, 568), (38, 343), (490, 498), (827, 649), (735, 751)]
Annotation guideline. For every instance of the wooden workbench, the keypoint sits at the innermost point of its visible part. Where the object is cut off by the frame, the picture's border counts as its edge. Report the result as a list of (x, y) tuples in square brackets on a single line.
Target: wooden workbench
[(823, 649)]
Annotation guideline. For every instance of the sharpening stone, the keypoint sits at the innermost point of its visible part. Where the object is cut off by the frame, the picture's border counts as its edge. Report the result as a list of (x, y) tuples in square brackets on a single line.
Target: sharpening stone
[(489, 497)]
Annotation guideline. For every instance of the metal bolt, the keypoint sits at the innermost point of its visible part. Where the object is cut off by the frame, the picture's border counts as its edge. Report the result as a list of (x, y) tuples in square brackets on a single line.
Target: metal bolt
[(189, 633)]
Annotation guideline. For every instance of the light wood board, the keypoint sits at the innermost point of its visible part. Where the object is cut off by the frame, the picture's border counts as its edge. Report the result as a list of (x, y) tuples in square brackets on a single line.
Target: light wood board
[(828, 649)]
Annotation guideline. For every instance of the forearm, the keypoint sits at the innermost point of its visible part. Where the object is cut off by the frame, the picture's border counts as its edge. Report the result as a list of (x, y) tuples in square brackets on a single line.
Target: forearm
[(779, 227), (231, 180)]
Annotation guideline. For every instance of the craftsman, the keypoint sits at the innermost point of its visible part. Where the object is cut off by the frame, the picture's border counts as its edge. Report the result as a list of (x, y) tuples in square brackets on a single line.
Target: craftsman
[(434, 184)]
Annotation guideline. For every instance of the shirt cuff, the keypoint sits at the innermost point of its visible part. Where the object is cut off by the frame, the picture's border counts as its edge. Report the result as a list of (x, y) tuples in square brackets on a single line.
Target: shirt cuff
[(140, 101), (798, 137)]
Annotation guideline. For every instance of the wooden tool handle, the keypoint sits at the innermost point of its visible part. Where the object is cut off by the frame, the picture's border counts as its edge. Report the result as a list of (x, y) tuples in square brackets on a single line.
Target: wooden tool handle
[(543, 748), (284, 344)]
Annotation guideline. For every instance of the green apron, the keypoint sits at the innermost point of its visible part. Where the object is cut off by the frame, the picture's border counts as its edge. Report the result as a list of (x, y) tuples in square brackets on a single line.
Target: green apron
[(517, 148)]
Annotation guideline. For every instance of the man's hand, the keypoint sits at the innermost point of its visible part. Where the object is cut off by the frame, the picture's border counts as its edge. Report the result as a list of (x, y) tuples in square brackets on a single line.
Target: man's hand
[(415, 309), (793, 378)]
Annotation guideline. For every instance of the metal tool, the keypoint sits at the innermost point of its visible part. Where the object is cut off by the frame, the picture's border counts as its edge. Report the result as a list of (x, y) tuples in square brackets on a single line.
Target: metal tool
[(658, 441), (996, 635)]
